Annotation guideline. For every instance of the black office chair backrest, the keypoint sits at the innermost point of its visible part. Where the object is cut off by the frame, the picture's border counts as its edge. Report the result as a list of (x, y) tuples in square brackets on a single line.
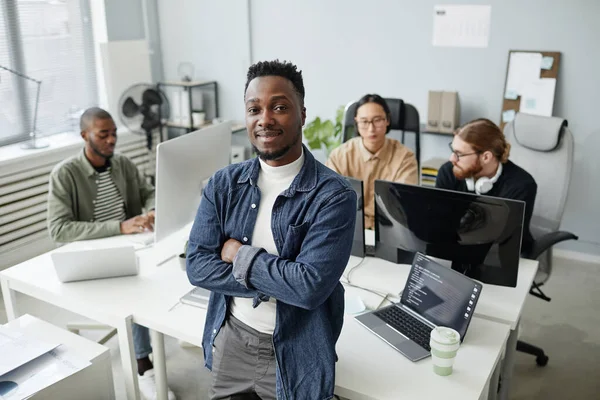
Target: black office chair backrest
[(404, 117)]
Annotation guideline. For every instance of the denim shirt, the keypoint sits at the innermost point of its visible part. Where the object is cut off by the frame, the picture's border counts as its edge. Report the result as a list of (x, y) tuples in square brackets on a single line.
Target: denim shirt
[(313, 225)]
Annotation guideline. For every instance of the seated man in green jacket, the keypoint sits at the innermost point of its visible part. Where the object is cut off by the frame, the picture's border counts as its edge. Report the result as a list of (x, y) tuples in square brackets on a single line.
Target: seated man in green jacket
[(97, 194)]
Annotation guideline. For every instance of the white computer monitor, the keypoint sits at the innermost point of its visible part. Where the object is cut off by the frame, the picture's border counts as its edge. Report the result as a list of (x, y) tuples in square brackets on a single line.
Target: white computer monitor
[(183, 165)]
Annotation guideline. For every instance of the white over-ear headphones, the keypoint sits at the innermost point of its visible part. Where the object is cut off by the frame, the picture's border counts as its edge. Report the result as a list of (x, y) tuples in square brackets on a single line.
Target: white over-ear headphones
[(483, 184)]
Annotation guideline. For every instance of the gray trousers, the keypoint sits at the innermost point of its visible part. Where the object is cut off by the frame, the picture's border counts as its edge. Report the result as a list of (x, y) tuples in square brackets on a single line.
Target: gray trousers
[(243, 365)]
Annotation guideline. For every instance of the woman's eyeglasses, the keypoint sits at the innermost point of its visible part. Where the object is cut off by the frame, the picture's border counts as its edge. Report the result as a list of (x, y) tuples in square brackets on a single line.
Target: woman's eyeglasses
[(378, 122)]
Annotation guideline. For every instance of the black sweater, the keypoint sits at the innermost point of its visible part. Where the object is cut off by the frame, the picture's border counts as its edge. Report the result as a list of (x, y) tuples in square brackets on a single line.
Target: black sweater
[(514, 183)]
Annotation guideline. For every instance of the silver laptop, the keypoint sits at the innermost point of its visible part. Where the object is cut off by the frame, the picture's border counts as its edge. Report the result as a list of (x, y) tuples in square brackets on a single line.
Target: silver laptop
[(433, 296), (94, 263)]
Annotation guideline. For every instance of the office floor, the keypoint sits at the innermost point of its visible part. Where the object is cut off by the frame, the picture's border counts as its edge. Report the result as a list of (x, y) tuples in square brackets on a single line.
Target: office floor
[(568, 328)]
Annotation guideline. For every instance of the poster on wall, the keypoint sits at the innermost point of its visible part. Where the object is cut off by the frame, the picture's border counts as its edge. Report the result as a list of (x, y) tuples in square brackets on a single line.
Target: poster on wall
[(461, 25)]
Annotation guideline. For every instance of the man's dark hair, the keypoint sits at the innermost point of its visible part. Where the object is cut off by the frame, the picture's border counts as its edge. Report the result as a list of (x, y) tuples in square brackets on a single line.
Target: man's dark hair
[(377, 99), (284, 69), (90, 115)]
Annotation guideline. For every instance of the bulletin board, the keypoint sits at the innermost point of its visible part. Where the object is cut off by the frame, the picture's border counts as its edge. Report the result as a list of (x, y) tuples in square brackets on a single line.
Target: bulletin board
[(530, 83)]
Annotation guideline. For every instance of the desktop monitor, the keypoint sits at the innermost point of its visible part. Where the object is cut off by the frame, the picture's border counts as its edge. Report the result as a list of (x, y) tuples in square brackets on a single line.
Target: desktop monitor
[(358, 242), (479, 236), (183, 166)]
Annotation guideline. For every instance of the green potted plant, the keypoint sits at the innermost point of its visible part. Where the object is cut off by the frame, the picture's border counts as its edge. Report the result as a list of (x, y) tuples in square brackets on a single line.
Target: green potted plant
[(182, 256), (325, 134)]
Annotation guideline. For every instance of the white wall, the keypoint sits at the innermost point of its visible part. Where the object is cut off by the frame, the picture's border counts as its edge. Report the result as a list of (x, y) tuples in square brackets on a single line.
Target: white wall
[(212, 35), (347, 48), (123, 49)]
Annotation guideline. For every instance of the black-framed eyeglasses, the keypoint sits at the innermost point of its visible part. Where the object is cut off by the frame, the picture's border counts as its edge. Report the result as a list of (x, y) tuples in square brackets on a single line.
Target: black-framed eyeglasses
[(458, 155), (378, 122)]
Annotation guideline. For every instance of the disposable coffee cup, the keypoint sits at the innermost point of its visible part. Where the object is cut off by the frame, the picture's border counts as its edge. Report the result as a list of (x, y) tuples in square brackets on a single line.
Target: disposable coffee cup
[(444, 344)]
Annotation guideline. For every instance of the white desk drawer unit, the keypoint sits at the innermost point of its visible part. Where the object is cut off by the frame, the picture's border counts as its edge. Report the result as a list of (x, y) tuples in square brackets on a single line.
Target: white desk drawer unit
[(93, 382)]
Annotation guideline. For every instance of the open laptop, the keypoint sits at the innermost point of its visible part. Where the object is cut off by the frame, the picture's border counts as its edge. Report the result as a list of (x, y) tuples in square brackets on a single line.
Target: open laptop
[(359, 247), (94, 263), (433, 296)]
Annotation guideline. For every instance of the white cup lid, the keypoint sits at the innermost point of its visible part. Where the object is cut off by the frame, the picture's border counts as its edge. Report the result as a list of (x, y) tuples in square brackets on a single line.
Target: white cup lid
[(444, 335)]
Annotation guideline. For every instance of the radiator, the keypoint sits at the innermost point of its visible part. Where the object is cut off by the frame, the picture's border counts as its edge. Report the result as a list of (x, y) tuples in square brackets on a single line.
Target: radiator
[(24, 194)]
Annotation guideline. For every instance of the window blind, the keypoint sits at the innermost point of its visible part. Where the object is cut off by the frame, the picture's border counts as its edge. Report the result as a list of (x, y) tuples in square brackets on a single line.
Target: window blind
[(50, 41)]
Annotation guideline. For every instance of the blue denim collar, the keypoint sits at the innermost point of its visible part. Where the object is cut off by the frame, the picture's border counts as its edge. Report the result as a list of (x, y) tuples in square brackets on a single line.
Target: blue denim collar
[(305, 181)]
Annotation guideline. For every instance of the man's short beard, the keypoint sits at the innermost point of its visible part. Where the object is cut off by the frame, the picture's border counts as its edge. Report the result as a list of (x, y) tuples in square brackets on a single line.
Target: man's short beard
[(462, 174), (95, 150), (277, 154)]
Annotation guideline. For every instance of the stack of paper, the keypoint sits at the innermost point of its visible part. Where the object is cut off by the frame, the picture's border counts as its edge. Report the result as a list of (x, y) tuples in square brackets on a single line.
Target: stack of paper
[(197, 297), (29, 365), (429, 171)]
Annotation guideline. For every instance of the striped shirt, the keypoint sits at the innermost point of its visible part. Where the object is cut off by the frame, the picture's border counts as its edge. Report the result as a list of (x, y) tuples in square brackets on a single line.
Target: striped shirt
[(109, 205)]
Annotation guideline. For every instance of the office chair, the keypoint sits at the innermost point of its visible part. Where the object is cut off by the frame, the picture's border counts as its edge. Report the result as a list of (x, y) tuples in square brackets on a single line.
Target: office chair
[(543, 146), (404, 117)]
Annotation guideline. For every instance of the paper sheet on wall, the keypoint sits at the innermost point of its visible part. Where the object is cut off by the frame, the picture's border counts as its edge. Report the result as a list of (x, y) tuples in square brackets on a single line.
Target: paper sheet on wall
[(547, 62), (461, 25), (538, 97), (511, 94), (522, 69), (508, 116)]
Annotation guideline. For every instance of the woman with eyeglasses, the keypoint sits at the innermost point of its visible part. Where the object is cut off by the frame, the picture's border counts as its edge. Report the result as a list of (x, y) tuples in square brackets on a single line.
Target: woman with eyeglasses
[(372, 155)]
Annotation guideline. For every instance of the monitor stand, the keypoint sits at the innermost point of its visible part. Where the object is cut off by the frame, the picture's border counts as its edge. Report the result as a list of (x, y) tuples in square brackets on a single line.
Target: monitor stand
[(394, 254), (500, 276)]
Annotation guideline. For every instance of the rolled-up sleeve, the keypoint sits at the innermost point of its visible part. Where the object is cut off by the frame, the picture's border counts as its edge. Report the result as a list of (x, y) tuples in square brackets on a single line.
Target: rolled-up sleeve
[(242, 262)]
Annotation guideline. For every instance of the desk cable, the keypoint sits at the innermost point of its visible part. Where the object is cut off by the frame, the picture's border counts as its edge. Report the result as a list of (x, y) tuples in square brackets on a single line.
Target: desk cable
[(352, 269), (384, 296)]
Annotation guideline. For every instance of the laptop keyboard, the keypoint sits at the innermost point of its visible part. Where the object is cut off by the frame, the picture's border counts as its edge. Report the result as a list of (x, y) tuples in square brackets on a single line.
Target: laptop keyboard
[(406, 324)]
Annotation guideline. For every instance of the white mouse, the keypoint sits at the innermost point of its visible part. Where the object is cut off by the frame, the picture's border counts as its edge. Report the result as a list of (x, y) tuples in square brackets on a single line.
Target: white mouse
[(354, 305)]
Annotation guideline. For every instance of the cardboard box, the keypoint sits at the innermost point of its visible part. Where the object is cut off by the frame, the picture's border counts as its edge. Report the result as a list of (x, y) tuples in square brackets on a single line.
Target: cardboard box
[(434, 111), (450, 112)]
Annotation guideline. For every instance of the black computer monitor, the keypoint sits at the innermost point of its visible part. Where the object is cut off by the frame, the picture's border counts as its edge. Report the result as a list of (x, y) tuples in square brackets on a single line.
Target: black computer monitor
[(479, 235), (358, 242)]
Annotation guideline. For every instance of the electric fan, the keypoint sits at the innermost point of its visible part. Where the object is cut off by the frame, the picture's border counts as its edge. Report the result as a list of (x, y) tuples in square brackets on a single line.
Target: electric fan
[(143, 108)]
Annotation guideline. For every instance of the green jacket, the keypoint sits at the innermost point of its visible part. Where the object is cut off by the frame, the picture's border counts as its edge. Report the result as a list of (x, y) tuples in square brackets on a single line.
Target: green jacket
[(73, 190)]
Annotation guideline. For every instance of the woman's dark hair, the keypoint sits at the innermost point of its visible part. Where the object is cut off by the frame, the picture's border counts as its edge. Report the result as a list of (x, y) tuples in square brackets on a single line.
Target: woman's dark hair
[(377, 99)]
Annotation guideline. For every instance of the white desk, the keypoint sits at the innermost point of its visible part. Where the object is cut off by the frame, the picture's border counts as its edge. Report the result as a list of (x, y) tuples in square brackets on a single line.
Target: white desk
[(150, 297), (94, 381), (482, 348), (496, 303), (114, 301), (109, 301), (368, 368)]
